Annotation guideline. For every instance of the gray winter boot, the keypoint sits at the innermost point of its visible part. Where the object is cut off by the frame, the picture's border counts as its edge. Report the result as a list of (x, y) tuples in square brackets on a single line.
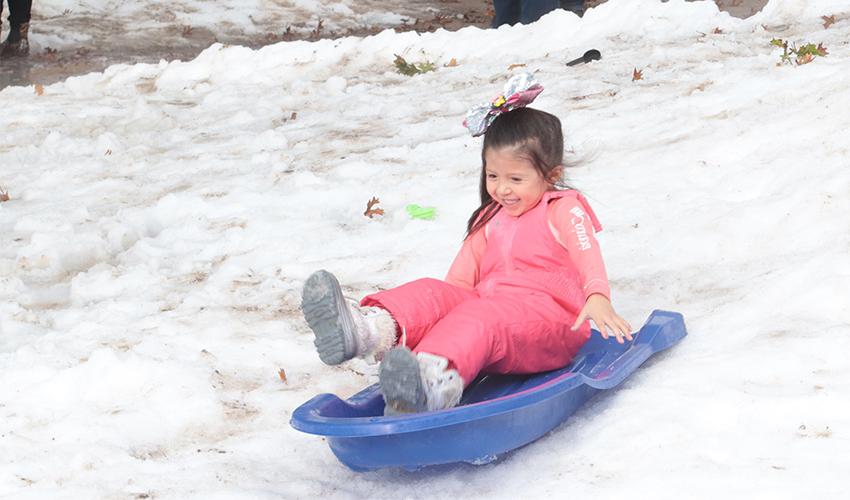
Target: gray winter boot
[(415, 383), (343, 328), (17, 44)]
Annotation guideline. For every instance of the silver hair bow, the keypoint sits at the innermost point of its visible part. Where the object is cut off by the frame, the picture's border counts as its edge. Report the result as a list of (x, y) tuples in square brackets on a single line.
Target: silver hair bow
[(519, 92)]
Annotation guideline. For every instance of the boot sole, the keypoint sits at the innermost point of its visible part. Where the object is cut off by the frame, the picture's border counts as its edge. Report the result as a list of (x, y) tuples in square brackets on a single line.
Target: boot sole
[(401, 383), (327, 314)]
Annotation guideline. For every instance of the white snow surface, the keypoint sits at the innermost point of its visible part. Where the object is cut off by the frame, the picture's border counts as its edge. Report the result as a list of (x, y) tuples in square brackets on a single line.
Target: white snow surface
[(164, 217)]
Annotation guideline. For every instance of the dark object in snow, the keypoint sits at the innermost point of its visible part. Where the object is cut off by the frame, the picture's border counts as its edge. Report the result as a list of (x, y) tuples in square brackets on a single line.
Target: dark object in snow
[(497, 413), (590, 55)]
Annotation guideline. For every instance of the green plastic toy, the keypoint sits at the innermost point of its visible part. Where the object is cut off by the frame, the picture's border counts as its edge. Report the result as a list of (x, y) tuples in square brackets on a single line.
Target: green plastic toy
[(424, 213)]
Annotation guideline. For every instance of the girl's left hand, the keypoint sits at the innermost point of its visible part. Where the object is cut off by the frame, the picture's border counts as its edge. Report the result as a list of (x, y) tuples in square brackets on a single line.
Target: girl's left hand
[(599, 309)]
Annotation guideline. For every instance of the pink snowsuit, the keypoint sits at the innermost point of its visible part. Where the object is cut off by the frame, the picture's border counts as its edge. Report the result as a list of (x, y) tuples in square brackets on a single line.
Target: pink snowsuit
[(512, 293)]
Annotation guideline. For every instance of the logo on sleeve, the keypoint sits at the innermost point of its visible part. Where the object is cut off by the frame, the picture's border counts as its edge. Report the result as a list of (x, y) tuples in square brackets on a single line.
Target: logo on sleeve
[(579, 229)]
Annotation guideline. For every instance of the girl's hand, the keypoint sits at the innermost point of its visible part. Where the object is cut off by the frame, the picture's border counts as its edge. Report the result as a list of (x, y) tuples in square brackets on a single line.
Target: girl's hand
[(598, 308)]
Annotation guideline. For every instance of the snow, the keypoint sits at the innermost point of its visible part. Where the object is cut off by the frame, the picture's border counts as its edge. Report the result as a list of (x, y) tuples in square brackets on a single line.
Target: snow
[(153, 21), (164, 216)]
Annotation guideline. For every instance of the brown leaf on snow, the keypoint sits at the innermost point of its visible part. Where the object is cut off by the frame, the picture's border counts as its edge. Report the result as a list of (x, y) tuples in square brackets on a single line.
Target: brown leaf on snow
[(370, 210), (718, 31), (515, 66), (282, 374), (39, 89), (4, 195), (452, 63), (805, 59), (828, 21), (637, 74)]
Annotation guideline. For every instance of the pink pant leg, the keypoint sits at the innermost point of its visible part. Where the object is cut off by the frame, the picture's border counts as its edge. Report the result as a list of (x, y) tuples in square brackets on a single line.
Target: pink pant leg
[(419, 305), (506, 333)]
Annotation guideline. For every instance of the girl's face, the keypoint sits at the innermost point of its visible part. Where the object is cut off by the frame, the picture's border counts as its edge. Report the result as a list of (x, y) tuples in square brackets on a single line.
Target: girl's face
[(513, 182)]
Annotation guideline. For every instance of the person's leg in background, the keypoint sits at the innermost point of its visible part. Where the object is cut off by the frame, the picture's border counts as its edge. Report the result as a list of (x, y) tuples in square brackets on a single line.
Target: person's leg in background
[(532, 10), (17, 43), (506, 12), (576, 6)]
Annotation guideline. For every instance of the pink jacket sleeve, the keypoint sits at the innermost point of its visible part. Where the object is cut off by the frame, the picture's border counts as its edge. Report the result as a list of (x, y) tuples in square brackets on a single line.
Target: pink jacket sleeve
[(465, 270), (573, 224)]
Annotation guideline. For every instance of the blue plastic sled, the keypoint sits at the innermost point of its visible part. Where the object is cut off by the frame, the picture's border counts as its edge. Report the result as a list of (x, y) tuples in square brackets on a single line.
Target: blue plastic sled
[(498, 413)]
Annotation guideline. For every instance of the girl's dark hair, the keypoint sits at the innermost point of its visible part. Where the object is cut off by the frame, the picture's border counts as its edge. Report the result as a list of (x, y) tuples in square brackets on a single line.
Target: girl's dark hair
[(535, 135)]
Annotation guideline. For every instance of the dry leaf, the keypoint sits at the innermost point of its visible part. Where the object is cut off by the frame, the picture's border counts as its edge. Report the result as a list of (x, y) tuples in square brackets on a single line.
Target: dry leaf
[(370, 210), (718, 31), (452, 63), (637, 74), (410, 69), (282, 374), (39, 89), (805, 59), (515, 66), (293, 116), (828, 21), (4, 195)]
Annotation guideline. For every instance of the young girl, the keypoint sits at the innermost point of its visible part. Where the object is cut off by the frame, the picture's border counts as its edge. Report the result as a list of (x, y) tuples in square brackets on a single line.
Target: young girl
[(519, 293)]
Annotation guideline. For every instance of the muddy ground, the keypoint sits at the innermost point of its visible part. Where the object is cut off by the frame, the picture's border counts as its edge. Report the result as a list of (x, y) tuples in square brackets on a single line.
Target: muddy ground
[(113, 43)]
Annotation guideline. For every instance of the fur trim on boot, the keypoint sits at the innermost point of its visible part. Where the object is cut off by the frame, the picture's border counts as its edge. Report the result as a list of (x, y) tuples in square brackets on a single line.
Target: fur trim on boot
[(342, 328)]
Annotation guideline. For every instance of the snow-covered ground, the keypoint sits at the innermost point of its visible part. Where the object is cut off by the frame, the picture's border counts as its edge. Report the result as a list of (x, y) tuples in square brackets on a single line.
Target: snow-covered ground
[(74, 37), (226, 18), (163, 218)]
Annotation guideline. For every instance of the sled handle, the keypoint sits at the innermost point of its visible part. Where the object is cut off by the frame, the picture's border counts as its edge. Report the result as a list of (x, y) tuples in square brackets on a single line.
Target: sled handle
[(661, 331)]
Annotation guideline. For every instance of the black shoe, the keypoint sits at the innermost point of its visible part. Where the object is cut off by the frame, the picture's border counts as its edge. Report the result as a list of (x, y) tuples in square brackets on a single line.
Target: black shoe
[(17, 44)]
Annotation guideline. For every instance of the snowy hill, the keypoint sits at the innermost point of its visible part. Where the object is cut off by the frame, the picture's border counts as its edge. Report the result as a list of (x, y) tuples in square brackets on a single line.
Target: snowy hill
[(163, 218)]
